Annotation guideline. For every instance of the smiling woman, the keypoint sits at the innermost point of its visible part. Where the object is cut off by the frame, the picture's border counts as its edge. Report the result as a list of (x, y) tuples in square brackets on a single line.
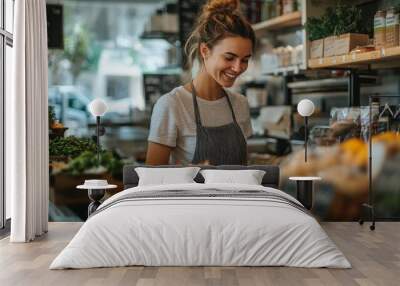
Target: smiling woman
[(201, 122)]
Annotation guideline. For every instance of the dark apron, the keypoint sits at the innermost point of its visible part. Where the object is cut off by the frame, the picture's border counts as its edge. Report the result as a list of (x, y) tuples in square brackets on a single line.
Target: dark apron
[(221, 145)]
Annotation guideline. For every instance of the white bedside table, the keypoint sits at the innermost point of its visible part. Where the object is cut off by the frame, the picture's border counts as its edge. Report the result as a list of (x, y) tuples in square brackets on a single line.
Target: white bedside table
[(96, 190), (304, 192)]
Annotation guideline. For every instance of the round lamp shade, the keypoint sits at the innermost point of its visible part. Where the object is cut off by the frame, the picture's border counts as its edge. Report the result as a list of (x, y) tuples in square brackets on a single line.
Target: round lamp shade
[(97, 107), (305, 107)]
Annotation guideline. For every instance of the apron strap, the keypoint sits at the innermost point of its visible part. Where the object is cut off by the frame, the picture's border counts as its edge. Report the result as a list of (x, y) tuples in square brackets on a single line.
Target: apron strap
[(195, 105), (230, 105)]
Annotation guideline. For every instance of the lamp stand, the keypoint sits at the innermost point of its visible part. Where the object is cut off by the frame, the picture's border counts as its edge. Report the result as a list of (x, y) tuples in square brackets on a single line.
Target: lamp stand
[(305, 137), (98, 138)]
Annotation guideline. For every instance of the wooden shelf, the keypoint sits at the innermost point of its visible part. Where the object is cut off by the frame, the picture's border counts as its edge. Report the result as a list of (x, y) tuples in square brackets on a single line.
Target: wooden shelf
[(284, 70), (151, 35), (383, 58), (285, 21)]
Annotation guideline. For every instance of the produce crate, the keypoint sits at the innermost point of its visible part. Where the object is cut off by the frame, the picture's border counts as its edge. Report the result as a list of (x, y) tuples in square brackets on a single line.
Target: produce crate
[(329, 46), (317, 49), (347, 42)]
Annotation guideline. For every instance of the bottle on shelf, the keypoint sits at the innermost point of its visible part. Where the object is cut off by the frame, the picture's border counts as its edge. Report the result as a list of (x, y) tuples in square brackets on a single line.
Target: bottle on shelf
[(380, 29), (392, 27)]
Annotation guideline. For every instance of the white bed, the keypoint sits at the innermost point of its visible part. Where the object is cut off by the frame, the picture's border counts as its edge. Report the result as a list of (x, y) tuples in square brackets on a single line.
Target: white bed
[(185, 230)]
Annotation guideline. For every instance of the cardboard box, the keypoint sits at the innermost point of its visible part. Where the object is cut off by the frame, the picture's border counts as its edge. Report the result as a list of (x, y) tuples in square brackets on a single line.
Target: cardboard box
[(156, 23), (317, 49), (170, 23), (276, 120), (329, 46), (347, 42)]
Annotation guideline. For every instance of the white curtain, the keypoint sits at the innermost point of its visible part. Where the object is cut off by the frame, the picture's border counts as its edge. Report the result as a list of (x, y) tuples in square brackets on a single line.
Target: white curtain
[(27, 124)]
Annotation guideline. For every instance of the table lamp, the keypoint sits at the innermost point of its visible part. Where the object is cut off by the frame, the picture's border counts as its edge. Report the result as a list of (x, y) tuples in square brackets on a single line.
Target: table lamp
[(97, 108), (305, 108)]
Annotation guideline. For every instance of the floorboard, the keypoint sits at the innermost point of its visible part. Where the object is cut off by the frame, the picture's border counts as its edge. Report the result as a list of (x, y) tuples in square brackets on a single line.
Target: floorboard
[(374, 255)]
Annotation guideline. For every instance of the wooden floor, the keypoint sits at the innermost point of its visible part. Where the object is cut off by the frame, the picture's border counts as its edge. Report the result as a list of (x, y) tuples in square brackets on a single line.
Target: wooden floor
[(375, 257)]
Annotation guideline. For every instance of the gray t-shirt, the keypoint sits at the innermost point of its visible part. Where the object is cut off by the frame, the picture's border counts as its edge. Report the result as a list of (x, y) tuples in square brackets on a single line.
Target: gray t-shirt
[(173, 120)]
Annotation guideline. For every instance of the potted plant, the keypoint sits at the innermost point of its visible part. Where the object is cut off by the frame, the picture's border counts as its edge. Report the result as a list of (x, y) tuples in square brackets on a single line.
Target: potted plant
[(87, 163), (341, 28), (318, 30), (316, 35), (84, 167), (65, 148), (349, 29)]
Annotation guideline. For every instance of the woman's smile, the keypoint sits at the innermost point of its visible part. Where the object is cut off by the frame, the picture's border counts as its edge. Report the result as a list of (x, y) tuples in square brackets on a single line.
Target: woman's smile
[(231, 77)]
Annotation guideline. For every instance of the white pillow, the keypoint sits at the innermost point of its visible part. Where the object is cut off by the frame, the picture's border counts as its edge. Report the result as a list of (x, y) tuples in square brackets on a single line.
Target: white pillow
[(248, 177), (163, 176)]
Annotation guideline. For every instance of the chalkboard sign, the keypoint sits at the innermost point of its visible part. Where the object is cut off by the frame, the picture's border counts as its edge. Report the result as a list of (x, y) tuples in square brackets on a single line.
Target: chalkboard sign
[(156, 85), (189, 10), (55, 35)]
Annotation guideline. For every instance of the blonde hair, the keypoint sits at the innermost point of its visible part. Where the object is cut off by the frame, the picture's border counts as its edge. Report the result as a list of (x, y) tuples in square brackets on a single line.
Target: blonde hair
[(219, 19)]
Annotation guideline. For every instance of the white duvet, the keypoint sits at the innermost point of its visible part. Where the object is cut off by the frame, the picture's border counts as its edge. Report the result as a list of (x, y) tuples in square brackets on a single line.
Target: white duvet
[(200, 231)]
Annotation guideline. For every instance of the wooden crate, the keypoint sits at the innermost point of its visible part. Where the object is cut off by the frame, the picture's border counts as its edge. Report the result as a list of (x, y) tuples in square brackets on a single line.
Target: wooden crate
[(317, 49), (347, 42), (329, 46)]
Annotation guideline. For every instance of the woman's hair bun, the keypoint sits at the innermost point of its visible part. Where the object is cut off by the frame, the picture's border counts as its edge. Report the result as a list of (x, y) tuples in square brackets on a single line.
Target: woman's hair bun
[(215, 6), (219, 19)]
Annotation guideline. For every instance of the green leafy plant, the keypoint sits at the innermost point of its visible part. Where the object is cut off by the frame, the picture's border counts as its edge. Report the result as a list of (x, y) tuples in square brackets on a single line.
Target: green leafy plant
[(88, 160), (348, 20), (70, 146), (315, 29), (84, 161), (337, 20)]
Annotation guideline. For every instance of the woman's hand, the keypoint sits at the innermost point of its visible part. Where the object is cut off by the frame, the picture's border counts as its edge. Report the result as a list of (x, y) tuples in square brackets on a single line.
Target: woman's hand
[(158, 154)]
